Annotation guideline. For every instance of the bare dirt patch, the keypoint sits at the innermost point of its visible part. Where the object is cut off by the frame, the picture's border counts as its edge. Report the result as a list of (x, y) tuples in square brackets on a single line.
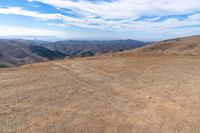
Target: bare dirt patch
[(125, 93)]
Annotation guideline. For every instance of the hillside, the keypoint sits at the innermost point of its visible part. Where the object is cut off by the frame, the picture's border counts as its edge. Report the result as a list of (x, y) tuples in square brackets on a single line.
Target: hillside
[(76, 47), (114, 93), (17, 52), (183, 46)]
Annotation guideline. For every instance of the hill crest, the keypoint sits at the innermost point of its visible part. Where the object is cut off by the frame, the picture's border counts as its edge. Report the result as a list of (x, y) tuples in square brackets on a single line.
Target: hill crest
[(181, 46)]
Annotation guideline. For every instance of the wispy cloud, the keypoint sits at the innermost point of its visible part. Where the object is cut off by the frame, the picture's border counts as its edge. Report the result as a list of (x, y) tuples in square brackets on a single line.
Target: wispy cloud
[(126, 8), (24, 31), (125, 12), (161, 16), (35, 14), (146, 24)]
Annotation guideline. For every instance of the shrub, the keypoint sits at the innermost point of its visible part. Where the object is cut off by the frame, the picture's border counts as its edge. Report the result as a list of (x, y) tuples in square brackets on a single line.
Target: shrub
[(2, 66), (1, 55)]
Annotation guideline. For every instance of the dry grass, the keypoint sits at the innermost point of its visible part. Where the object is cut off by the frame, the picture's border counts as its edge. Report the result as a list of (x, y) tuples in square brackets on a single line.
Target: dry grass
[(181, 46), (121, 93)]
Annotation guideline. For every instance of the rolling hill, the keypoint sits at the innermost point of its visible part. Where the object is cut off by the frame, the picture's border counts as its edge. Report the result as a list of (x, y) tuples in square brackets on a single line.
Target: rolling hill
[(127, 92), (181, 46), (17, 52), (76, 47)]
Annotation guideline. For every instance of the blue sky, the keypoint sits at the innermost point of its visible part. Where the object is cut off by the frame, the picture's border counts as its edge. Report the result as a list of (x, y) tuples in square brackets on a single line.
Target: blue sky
[(146, 20)]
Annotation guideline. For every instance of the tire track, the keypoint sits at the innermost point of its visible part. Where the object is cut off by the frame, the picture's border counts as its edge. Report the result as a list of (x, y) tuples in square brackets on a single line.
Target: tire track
[(76, 79)]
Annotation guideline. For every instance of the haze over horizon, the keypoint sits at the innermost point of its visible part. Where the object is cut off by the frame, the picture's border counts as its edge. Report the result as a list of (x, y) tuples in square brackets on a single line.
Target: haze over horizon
[(99, 19)]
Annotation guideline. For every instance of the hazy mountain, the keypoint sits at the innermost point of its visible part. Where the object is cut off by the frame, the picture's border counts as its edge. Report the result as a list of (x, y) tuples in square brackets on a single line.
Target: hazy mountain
[(47, 53), (15, 52), (77, 47)]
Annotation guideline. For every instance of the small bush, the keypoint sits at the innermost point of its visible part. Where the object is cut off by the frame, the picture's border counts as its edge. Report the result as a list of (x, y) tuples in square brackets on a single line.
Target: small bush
[(1, 55), (2, 66)]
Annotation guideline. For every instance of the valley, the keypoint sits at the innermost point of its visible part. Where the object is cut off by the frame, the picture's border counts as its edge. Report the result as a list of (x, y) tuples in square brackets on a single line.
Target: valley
[(17, 52)]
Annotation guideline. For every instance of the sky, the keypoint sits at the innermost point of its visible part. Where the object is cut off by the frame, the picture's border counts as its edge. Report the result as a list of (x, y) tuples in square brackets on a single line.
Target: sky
[(146, 20)]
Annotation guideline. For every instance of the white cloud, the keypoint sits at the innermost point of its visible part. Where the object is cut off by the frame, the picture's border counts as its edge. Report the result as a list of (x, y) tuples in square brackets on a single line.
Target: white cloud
[(127, 11), (120, 15), (21, 31), (101, 23), (127, 8), (42, 16)]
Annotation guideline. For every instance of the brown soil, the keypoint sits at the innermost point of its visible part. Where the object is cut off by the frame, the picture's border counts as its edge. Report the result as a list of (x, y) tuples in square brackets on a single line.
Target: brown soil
[(112, 94)]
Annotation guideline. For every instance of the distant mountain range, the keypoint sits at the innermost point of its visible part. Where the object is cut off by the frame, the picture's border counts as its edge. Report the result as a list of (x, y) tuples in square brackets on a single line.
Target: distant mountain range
[(16, 52), (75, 48)]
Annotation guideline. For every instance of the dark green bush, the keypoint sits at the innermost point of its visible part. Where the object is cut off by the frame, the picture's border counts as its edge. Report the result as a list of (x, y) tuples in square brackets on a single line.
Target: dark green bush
[(2, 66), (1, 55)]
